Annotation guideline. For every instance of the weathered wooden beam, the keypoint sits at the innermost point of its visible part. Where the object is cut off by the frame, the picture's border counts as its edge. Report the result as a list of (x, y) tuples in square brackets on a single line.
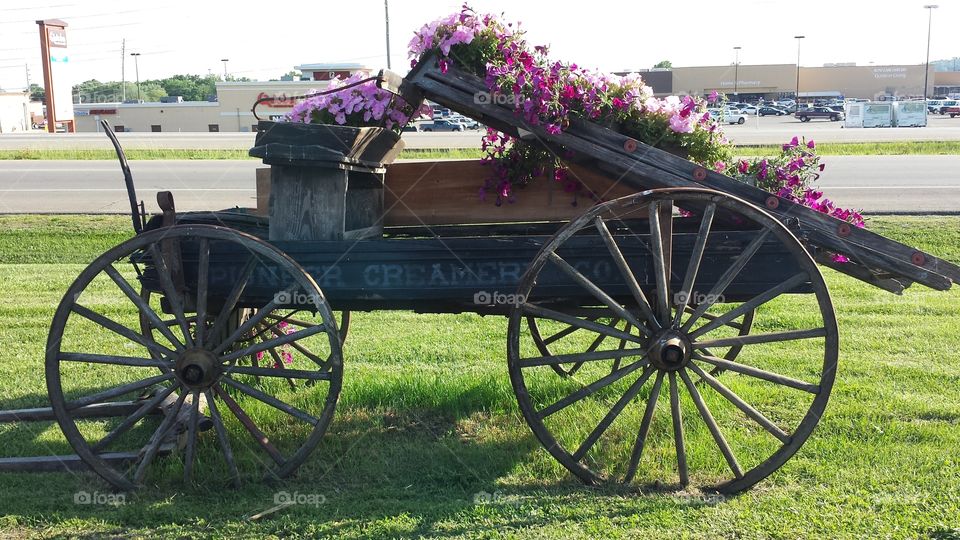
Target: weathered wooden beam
[(97, 410)]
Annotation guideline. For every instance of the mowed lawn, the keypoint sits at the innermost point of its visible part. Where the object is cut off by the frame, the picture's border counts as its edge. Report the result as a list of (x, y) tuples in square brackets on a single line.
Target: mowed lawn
[(428, 440)]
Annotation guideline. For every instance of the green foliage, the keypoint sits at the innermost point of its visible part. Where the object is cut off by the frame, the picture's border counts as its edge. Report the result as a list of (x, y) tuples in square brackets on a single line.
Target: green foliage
[(191, 87), (663, 64), (37, 93)]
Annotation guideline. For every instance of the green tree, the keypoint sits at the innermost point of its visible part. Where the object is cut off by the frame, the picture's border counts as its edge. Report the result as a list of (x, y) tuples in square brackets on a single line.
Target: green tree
[(663, 64), (37, 93)]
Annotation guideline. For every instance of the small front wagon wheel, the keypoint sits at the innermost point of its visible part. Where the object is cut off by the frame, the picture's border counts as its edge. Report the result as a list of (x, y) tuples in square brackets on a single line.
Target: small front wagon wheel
[(660, 400), (190, 372)]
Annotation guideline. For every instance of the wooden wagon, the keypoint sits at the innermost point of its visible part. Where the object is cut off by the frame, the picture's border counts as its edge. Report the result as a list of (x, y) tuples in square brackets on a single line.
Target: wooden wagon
[(616, 310)]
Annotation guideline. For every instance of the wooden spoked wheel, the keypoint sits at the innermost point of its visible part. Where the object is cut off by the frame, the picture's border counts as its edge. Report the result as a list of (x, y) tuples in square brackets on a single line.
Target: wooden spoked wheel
[(605, 317), (191, 371), (643, 405)]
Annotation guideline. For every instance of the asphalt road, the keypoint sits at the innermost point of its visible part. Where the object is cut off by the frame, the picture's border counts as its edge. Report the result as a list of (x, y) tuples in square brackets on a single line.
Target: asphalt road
[(766, 130), (874, 183)]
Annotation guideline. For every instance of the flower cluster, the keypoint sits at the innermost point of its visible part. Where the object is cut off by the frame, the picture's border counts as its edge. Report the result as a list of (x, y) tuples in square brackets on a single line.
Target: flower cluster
[(791, 176), (465, 38), (355, 105), (285, 354)]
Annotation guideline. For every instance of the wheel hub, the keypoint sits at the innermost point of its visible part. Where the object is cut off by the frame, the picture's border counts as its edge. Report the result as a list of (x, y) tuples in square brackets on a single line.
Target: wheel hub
[(197, 368), (670, 351)]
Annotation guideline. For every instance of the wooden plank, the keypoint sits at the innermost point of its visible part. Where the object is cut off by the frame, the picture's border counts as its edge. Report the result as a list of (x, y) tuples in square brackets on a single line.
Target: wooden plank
[(307, 203), (263, 191), (71, 462), (448, 192), (97, 410)]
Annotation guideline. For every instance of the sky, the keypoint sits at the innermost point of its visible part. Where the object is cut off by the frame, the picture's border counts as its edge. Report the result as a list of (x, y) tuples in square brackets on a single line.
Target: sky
[(265, 40)]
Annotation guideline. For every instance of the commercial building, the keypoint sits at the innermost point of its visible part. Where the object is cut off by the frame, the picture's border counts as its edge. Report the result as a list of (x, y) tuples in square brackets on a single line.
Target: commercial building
[(14, 112), (231, 111)]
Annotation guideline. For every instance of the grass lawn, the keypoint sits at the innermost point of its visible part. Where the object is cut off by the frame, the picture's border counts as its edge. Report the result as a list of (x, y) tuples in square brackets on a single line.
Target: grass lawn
[(428, 439)]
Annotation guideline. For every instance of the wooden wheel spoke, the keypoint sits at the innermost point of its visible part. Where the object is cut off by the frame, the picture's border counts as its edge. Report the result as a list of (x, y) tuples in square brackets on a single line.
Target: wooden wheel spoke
[(278, 364), (191, 450), (222, 438), (253, 321), (203, 278), (612, 415), (759, 373), (593, 289), (144, 308), (283, 372), (547, 313), (578, 357), (727, 277), (114, 360), (712, 425), (174, 297), (770, 337), (661, 262), (752, 304), (591, 388), (563, 333), (628, 276), (644, 428), (693, 267), (250, 426), (747, 409), (117, 391), (150, 451), (270, 400), (275, 342), (129, 421), (121, 330), (677, 416), (231, 302), (323, 363)]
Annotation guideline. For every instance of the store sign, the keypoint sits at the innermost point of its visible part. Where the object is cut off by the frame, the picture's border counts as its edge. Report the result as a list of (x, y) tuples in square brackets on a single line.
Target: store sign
[(746, 84), (281, 100), (890, 73), (57, 36)]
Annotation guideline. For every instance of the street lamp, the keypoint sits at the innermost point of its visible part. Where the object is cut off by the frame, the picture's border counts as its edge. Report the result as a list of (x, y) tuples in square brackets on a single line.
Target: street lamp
[(926, 71), (136, 66), (736, 71), (224, 60), (798, 38)]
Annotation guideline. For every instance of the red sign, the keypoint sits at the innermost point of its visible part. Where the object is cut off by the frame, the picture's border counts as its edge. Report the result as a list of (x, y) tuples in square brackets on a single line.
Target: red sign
[(276, 100)]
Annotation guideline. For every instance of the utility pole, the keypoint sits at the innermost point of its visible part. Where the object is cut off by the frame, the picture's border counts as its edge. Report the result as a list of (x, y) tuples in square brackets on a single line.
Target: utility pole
[(926, 71), (224, 60), (736, 72), (136, 67), (123, 70), (798, 38), (26, 67), (386, 15)]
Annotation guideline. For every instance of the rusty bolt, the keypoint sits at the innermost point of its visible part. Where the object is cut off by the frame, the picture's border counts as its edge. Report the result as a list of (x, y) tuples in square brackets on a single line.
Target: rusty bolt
[(772, 202), (630, 145), (843, 230), (918, 258), (699, 174)]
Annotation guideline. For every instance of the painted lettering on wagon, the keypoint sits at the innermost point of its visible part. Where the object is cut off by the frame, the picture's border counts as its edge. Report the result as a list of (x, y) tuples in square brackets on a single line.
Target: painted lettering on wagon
[(441, 274)]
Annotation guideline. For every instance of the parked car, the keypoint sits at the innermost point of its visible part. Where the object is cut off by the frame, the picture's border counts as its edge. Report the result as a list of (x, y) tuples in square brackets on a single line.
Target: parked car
[(952, 111), (804, 115), (749, 109), (442, 125), (933, 105), (410, 128), (947, 103), (728, 116), (768, 110)]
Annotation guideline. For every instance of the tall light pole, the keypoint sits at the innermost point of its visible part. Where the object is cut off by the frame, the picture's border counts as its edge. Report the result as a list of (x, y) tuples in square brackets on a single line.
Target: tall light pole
[(386, 15), (798, 38), (136, 67), (926, 71), (224, 60), (736, 71)]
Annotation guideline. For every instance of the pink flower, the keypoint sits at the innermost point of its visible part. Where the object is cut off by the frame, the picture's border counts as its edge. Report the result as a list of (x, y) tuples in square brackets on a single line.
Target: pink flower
[(810, 144)]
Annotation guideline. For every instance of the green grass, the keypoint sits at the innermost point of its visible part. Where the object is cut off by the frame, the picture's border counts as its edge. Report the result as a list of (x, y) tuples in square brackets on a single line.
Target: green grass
[(826, 149), (427, 420)]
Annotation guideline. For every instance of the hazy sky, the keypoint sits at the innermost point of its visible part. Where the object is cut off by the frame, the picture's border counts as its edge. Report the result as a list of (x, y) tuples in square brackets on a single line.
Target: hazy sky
[(266, 39)]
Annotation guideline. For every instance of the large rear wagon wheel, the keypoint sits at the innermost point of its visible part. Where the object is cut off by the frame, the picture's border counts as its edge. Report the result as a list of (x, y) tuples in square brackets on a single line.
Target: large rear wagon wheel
[(656, 402), (195, 362)]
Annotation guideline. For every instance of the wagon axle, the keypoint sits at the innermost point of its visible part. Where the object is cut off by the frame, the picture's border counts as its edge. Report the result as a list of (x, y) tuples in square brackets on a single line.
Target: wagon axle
[(197, 368), (670, 351)]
